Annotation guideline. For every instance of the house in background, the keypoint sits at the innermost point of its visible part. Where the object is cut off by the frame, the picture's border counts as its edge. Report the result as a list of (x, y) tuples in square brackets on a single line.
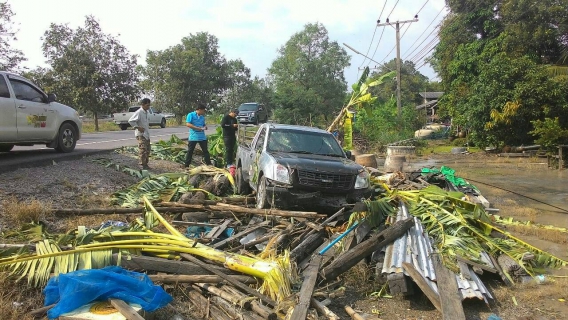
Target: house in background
[(430, 104)]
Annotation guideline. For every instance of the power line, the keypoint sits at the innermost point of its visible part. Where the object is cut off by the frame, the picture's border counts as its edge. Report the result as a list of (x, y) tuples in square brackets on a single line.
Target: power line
[(380, 38), (420, 36), (418, 56), (393, 8)]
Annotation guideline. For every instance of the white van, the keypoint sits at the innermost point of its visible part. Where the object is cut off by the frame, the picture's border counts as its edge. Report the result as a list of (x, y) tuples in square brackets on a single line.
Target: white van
[(29, 116)]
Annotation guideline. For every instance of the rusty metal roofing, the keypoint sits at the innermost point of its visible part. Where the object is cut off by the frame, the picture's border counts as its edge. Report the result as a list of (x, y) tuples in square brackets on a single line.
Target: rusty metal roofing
[(415, 248)]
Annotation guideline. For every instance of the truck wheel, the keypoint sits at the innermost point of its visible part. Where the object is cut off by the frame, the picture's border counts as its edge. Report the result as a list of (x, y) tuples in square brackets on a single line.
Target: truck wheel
[(6, 147), (163, 123), (261, 202), (242, 185), (67, 138), (123, 126)]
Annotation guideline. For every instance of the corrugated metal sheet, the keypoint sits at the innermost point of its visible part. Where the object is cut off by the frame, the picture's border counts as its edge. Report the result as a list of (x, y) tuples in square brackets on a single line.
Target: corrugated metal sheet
[(415, 248)]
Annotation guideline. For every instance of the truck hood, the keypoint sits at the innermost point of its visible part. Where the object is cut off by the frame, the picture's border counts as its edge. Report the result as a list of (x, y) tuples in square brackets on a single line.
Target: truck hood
[(314, 162)]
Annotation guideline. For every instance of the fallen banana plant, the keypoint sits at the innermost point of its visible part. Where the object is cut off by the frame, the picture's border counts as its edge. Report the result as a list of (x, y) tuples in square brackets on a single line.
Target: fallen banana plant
[(462, 228), (94, 249)]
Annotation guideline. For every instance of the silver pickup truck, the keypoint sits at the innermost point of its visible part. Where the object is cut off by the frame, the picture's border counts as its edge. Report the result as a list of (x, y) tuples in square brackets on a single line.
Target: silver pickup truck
[(295, 166), (155, 118)]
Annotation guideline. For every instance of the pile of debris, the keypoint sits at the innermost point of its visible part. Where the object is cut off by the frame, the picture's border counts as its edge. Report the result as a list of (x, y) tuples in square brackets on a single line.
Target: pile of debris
[(239, 262)]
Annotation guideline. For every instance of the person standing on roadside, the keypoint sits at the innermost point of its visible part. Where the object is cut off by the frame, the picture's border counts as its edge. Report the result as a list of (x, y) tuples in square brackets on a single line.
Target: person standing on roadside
[(196, 123), (139, 121), (230, 126)]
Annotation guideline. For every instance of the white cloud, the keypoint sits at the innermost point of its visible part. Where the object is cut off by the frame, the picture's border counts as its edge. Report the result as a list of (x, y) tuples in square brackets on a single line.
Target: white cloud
[(250, 30)]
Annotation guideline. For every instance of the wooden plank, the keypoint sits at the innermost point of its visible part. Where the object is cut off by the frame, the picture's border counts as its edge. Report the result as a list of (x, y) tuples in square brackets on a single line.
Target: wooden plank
[(350, 258), (500, 271), (223, 243), (126, 310), (133, 262), (310, 277), (423, 285), (177, 278), (450, 298), (238, 284), (321, 308)]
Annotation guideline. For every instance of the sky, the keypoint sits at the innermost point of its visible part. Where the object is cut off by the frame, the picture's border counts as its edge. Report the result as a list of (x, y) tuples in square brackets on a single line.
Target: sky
[(251, 30)]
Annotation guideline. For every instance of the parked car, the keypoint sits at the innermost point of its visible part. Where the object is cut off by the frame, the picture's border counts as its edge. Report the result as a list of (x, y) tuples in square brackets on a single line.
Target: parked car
[(252, 112), (296, 166), (30, 116), (155, 118)]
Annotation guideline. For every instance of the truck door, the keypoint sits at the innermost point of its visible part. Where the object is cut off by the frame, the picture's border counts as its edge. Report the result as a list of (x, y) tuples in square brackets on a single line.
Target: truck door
[(256, 148), (8, 128), (36, 119)]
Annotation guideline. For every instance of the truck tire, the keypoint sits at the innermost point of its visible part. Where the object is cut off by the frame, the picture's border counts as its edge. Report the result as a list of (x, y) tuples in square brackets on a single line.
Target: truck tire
[(67, 138), (6, 147), (123, 126), (261, 198), (163, 123), (242, 185)]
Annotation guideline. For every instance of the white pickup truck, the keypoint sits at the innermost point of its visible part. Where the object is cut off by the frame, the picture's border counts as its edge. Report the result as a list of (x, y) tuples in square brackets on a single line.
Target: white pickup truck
[(29, 116), (155, 118)]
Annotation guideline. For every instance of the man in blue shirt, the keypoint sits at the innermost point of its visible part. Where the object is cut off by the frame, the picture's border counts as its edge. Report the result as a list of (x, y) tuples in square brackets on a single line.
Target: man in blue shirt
[(196, 123)]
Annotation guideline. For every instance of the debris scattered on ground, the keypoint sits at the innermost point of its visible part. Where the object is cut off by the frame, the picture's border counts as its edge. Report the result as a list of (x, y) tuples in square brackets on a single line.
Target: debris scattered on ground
[(234, 261)]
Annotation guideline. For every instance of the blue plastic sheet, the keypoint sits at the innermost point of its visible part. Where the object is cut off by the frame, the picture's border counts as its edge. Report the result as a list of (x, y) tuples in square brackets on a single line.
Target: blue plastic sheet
[(75, 289)]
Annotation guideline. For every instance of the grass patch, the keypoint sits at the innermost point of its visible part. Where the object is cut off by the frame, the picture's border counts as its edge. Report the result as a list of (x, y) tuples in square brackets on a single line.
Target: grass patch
[(89, 126), (21, 212), (16, 299), (541, 233)]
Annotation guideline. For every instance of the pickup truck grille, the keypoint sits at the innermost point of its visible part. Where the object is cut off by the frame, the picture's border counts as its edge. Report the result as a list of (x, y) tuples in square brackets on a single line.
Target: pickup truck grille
[(325, 180)]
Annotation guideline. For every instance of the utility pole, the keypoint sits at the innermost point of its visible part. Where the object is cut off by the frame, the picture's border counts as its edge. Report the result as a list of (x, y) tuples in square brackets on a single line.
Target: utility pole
[(398, 62)]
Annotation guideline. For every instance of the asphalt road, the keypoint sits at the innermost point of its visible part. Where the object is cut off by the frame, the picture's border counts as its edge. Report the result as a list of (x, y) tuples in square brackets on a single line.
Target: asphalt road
[(90, 143)]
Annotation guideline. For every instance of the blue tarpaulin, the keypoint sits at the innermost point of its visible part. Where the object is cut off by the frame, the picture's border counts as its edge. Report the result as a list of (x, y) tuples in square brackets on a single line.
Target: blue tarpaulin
[(75, 289)]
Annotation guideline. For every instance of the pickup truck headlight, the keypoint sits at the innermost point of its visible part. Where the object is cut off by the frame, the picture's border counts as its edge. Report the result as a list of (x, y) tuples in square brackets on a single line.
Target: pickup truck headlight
[(362, 180), (281, 174), (252, 114)]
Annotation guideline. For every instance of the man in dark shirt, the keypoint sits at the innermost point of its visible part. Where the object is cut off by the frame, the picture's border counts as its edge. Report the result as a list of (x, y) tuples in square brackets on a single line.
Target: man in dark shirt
[(230, 126)]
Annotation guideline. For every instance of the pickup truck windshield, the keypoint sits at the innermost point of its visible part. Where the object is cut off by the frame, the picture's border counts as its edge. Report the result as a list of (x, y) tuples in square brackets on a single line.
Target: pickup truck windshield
[(133, 109), (295, 141), (248, 107)]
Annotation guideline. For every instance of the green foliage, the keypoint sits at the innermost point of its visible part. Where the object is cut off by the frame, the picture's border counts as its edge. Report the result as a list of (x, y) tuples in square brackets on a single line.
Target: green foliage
[(495, 55), (549, 133), (10, 58), (308, 77), (90, 70), (412, 83)]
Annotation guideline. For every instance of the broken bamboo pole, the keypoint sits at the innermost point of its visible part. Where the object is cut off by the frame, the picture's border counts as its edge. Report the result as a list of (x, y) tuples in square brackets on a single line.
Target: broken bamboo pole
[(263, 311), (253, 211), (176, 278), (450, 298), (238, 284), (203, 304), (354, 315), (223, 294), (423, 285), (229, 308), (221, 244), (321, 308), (310, 277), (350, 258), (138, 210)]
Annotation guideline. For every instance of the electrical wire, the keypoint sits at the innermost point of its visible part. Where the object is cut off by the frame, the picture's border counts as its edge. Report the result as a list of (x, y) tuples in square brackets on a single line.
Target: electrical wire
[(373, 38), (426, 29)]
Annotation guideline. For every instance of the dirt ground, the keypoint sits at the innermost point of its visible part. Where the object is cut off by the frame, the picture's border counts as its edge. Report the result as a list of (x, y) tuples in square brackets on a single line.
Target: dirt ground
[(86, 184)]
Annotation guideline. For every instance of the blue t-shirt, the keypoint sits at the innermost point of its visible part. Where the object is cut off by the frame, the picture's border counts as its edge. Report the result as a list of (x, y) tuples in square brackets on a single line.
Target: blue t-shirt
[(198, 121)]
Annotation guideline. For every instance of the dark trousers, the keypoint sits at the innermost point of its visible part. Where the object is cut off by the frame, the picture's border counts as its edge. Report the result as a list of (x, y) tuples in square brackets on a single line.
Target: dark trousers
[(191, 147), (230, 142)]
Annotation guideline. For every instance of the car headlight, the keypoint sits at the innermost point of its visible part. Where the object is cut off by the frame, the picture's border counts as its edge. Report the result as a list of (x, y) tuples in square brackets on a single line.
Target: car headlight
[(281, 174), (252, 114), (362, 180)]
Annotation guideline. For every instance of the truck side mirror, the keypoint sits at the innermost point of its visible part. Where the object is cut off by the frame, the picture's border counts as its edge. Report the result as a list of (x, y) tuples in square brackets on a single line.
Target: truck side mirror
[(51, 97), (348, 154)]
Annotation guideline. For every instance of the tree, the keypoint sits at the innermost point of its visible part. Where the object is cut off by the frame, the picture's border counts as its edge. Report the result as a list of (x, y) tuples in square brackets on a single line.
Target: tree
[(90, 70), (412, 83), (10, 58), (186, 73), (308, 77)]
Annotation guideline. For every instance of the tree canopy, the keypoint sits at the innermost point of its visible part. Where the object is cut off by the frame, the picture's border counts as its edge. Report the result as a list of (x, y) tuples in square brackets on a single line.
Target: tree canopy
[(10, 58), (308, 77), (495, 58)]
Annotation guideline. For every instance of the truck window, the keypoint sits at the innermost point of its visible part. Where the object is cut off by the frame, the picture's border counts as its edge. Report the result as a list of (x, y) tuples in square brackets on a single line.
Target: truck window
[(4, 92), (260, 139), (24, 91), (283, 140), (133, 109)]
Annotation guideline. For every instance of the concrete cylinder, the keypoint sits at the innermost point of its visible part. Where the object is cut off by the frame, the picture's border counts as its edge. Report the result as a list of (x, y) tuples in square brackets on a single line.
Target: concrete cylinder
[(394, 163)]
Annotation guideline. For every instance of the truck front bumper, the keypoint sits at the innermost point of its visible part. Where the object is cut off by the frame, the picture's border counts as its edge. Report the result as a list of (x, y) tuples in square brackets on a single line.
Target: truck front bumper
[(288, 198)]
